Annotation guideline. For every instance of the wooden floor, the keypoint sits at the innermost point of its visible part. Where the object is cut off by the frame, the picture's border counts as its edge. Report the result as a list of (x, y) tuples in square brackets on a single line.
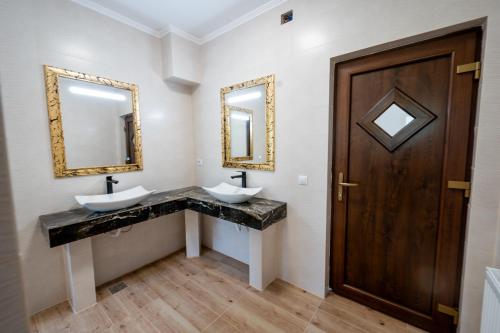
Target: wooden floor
[(211, 294)]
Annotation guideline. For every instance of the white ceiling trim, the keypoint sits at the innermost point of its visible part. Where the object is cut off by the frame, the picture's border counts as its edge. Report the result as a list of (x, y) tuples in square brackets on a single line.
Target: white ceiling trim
[(241, 20), (117, 16), (173, 29), (179, 32)]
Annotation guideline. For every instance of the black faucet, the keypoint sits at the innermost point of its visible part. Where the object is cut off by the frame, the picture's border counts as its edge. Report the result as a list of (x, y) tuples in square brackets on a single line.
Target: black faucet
[(109, 184), (243, 177)]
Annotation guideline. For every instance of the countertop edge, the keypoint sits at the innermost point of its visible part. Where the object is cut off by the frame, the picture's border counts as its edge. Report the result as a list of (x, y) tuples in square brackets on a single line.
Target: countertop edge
[(182, 199)]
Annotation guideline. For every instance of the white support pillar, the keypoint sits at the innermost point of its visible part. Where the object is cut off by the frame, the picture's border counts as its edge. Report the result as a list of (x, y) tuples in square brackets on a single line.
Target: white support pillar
[(80, 278), (263, 257), (193, 233)]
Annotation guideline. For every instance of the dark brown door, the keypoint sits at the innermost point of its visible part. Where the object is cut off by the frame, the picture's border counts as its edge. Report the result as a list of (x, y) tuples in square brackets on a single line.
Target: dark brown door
[(129, 138), (403, 129)]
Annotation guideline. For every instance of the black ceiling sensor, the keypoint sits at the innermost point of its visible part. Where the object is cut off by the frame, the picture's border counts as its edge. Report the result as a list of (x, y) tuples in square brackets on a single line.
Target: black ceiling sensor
[(287, 17)]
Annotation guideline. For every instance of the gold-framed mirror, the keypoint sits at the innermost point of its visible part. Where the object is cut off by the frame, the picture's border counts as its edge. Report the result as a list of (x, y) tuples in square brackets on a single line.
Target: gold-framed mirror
[(247, 112), (94, 123)]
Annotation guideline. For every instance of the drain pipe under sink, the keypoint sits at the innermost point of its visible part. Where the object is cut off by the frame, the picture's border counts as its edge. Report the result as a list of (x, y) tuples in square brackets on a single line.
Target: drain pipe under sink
[(117, 232)]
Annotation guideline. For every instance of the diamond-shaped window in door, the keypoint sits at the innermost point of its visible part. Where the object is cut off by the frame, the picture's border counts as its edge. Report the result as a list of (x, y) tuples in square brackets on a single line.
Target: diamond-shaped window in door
[(395, 119)]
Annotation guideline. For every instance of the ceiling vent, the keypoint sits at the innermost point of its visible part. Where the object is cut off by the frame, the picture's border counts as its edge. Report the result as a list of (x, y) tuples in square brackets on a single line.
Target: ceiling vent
[(287, 17)]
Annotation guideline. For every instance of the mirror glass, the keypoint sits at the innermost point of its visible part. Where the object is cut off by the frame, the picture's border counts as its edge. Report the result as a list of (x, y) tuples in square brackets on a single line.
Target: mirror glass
[(393, 120), (247, 123), (240, 122), (98, 124)]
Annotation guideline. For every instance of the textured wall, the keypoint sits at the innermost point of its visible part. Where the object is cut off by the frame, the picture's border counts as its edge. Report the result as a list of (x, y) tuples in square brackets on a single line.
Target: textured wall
[(299, 53), (63, 34), (13, 317)]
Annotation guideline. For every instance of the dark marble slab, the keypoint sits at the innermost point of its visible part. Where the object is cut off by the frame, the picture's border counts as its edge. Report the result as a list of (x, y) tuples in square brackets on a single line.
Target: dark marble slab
[(69, 226)]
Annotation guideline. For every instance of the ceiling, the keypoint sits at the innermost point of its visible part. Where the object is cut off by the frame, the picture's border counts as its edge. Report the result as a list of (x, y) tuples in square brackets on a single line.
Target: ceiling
[(196, 20)]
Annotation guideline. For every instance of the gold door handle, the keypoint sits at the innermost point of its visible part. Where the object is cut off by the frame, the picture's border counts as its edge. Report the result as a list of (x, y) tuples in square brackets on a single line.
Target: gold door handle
[(343, 184), (348, 184)]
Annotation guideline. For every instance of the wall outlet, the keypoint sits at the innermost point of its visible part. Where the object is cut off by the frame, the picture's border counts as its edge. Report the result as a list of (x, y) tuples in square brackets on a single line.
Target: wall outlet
[(302, 180), (199, 162)]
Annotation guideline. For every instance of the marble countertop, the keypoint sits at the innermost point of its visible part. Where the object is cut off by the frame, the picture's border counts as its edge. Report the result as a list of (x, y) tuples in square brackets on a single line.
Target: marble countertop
[(68, 226)]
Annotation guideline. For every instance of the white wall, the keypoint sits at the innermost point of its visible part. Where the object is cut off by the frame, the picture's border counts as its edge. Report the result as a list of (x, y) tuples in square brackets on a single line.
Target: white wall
[(63, 34), (13, 317), (181, 60), (299, 53), (226, 237), (146, 242)]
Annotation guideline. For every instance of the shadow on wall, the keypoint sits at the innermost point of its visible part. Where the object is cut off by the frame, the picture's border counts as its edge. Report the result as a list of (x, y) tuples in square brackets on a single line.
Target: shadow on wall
[(180, 88), (13, 317)]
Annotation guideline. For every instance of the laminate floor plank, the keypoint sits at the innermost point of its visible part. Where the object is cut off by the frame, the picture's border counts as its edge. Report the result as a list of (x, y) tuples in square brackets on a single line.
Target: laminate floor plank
[(210, 294)]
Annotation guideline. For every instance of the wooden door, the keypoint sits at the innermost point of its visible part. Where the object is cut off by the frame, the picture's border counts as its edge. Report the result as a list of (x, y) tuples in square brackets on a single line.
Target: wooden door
[(129, 138), (403, 129)]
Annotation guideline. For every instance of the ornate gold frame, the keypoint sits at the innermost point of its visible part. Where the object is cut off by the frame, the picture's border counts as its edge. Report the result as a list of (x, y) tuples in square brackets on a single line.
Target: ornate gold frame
[(56, 128), (227, 161), (228, 122)]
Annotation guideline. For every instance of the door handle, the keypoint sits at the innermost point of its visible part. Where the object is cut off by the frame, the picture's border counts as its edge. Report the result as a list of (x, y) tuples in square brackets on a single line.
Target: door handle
[(343, 184), (348, 184)]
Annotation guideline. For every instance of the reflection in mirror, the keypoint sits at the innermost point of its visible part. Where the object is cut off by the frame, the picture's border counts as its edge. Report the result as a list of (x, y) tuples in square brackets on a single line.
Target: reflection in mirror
[(248, 124), (241, 124), (94, 123), (253, 101)]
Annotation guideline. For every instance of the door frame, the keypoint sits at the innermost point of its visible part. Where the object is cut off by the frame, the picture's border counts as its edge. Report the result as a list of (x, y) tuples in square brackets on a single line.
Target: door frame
[(393, 45)]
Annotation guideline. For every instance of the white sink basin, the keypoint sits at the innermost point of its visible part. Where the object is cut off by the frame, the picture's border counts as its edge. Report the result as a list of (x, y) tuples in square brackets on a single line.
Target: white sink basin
[(113, 201), (232, 194)]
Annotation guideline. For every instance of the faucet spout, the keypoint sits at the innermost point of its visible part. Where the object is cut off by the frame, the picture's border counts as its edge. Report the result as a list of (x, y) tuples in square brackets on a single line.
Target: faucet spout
[(109, 184), (243, 177)]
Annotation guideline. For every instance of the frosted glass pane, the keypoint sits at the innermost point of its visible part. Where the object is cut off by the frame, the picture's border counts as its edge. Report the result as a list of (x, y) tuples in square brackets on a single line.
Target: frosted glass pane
[(393, 119)]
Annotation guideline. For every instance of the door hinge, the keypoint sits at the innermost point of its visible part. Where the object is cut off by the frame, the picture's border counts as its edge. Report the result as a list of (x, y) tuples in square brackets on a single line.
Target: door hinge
[(460, 185), (472, 67), (448, 310)]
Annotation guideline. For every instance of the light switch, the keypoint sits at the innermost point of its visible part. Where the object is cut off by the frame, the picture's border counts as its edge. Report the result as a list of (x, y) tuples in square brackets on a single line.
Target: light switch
[(302, 180), (199, 162)]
